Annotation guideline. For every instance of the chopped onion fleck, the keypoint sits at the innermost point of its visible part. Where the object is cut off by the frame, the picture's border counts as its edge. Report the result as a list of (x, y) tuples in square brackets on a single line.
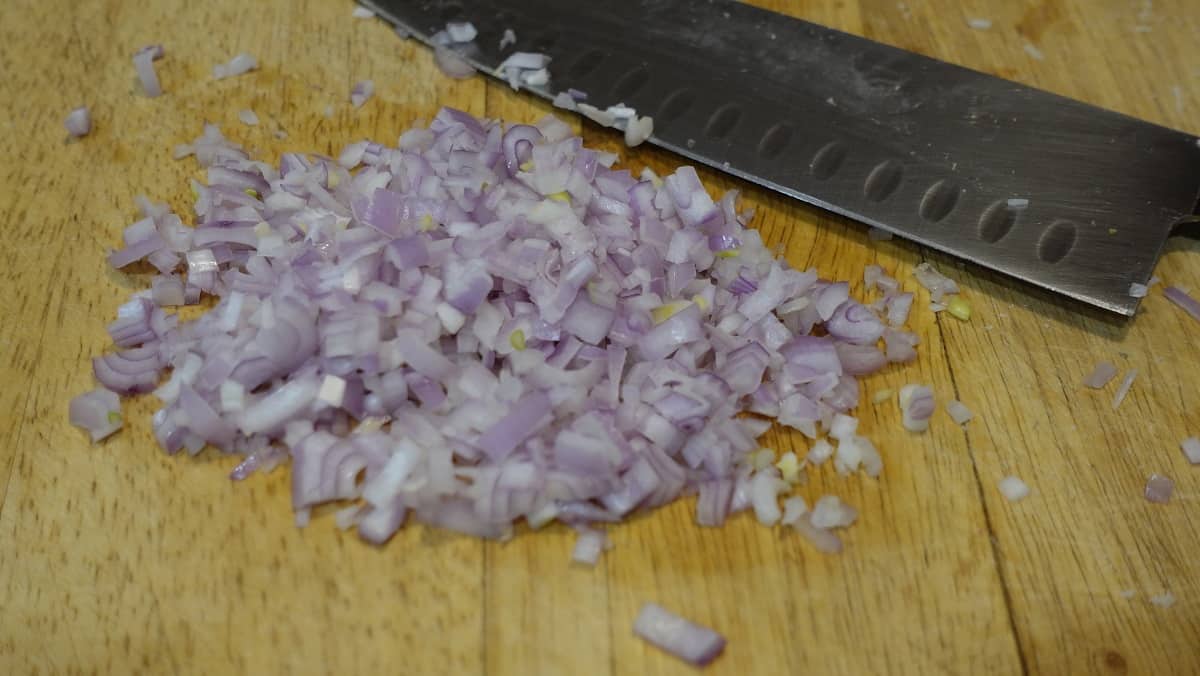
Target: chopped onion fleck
[(637, 130), (509, 38), (1159, 489), (143, 62), (98, 412), (916, 407), (959, 411), (487, 324), (248, 117), (1013, 489), (362, 13), (682, 638), (1191, 449), (452, 64), (1101, 375), (1018, 203), (1182, 299), (1164, 600), (1124, 388), (589, 544), (461, 31), (361, 93), (979, 24), (830, 512), (79, 122), (238, 65)]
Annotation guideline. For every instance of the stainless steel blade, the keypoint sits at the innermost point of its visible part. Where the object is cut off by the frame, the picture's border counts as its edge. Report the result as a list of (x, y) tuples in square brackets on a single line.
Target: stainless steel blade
[(933, 152)]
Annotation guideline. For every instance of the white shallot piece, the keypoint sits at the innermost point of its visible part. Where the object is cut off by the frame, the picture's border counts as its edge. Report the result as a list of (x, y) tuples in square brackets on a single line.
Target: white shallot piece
[(79, 122), (1159, 489), (916, 407), (1191, 449), (238, 65), (682, 638), (1013, 489)]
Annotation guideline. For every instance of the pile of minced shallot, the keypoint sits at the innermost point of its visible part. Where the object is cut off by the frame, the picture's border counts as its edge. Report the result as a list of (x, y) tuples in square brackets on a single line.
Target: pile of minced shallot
[(489, 323)]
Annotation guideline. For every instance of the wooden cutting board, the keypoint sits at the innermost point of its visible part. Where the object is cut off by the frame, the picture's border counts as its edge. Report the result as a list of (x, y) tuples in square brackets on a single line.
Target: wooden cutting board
[(119, 559)]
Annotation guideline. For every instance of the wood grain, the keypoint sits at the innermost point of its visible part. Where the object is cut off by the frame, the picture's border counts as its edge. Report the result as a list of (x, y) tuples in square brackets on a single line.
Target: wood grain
[(118, 559)]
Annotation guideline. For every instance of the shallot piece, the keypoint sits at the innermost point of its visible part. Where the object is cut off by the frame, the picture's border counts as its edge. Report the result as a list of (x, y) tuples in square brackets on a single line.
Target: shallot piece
[(79, 122), (682, 638), (143, 63), (1101, 375), (452, 64), (362, 13), (959, 411), (98, 412), (487, 324), (361, 93), (637, 130), (1013, 489), (248, 117), (1124, 388), (1183, 300), (589, 544), (238, 65), (1191, 449), (916, 407), (1159, 489), (1164, 600), (509, 38)]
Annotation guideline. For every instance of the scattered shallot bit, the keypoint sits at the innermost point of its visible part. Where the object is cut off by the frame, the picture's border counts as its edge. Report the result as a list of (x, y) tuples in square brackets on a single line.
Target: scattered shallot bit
[(959, 308), (882, 396), (1164, 600), (361, 93), (509, 38), (589, 544), (637, 130), (1128, 593), (690, 642), (1138, 290), (1159, 489), (143, 62), (362, 300), (248, 117), (79, 122), (1124, 388), (98, 412), (1180, 297), (959, 411), (1013, 489), (1101, 375), (916, 407), (1191, 449), (362, 13), (979, 24), (238, 65)]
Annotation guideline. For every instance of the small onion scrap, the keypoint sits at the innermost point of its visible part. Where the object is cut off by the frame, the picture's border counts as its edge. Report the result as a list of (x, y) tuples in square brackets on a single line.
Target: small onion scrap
[(489, 323), (1191, 449), (238, 65), (690, 642), (79, 122), (1013, 489), (1159, 489), (1181, 298), (1101, 375), (98, 412)]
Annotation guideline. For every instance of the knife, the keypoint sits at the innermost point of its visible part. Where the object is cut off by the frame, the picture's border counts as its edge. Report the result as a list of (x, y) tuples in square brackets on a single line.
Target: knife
[(1058, 193)]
